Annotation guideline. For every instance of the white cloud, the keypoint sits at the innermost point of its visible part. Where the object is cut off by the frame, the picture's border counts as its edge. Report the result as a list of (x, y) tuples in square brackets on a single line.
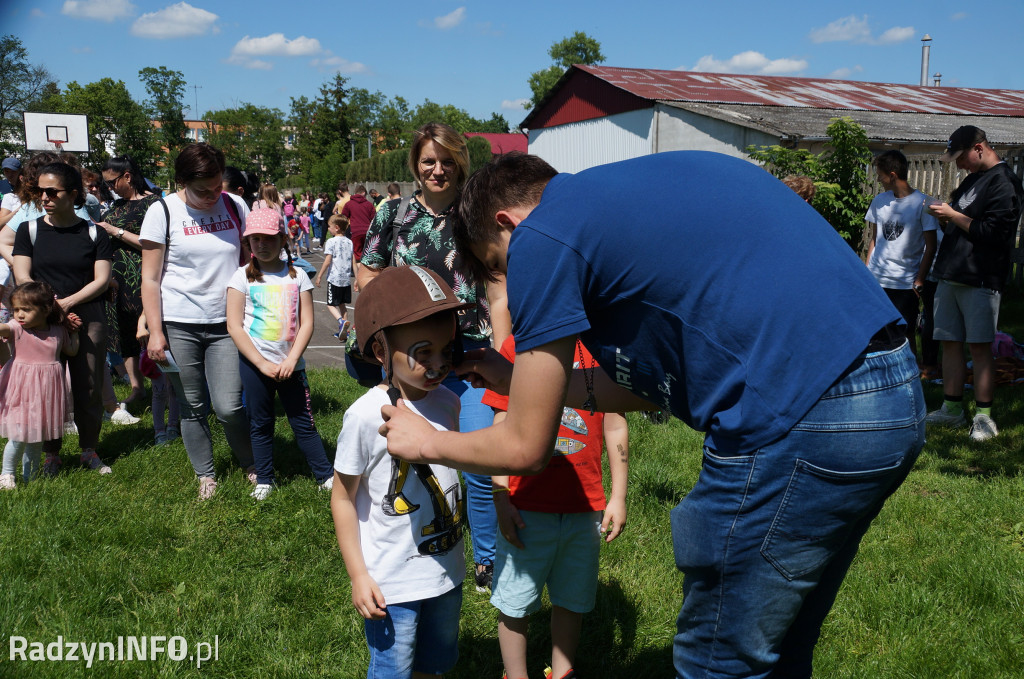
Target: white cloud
[(103, 10), (175, 21), (450, 20), (959, 16), (36, 12), (749, 62), (276, 44), (847, 29), (857, 30), (894, 35), (82, 50), (844, 72), (515, 104), (336, 64)]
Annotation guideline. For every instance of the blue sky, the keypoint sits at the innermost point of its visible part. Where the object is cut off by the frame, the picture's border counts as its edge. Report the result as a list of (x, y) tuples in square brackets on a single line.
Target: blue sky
[(479, 55)]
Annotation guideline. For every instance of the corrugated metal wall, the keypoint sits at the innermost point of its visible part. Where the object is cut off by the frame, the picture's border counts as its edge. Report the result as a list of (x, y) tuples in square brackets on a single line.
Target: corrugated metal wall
[(576, 146)]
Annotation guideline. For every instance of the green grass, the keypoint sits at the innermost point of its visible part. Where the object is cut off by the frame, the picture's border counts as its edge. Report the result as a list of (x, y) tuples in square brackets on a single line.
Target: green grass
[(936, 591)]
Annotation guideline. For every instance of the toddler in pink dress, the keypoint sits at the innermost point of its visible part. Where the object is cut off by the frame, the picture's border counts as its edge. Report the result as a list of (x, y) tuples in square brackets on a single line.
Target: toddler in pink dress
[(33, 391)]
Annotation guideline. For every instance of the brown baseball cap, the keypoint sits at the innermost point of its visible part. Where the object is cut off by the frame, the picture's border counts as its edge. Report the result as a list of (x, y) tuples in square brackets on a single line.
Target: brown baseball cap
[(964, 138), (399, 295)]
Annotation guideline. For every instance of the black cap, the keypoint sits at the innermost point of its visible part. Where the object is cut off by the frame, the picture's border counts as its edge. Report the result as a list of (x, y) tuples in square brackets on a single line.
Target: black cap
[(964, 138)]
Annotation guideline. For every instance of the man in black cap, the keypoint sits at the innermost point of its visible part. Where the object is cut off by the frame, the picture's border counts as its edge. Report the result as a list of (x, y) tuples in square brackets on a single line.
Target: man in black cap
[(980, 223)]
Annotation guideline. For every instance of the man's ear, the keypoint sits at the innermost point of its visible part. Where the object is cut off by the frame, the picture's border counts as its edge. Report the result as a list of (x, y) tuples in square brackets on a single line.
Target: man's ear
[(507, 219)]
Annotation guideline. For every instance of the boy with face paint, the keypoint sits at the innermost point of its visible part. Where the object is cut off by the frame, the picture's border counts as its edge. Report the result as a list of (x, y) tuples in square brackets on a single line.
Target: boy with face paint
[(399, 525)]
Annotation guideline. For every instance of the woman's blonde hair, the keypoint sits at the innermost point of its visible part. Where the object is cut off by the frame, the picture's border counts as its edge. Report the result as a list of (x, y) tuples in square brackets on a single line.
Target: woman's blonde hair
[(445, 136)]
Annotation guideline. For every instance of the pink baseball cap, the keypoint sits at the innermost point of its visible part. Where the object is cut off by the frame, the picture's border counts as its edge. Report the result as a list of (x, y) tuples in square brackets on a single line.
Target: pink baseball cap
[(264, 221)]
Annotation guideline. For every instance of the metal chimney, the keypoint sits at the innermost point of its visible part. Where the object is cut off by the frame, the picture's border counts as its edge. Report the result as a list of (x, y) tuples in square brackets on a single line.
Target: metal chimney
[(938, 78), (925, 49)]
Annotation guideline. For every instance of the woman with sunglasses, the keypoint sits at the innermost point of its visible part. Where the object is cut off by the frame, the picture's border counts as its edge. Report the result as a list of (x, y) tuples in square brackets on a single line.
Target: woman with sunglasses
[(123, 223), (189, 254), (73, 256)]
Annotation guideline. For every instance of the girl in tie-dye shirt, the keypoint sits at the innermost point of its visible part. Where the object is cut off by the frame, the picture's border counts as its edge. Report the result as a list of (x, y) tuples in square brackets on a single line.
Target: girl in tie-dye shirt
[(270, 318)]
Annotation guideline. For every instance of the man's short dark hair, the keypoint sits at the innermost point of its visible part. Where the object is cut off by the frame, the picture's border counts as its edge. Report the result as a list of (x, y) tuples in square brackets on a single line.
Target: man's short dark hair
[(513, 180), (893, 161)]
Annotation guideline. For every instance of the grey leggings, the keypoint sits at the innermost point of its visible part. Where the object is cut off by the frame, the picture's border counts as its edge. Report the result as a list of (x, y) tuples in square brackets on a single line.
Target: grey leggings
[(209, 376)]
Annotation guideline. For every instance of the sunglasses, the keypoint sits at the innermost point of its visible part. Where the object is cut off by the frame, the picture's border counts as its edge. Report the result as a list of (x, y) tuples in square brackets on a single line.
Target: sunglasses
[(49, 191), (110, 182)]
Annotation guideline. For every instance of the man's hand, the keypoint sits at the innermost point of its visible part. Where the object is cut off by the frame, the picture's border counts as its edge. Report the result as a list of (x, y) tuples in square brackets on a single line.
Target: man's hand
[(487, 369), (405, 431)]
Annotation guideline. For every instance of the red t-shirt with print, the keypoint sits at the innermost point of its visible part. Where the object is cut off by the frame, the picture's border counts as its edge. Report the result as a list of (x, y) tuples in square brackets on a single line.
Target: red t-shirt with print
[(572, 480)]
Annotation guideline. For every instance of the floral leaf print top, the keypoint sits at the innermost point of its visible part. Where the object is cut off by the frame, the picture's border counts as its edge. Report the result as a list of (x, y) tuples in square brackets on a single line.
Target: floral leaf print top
[(426, 240)]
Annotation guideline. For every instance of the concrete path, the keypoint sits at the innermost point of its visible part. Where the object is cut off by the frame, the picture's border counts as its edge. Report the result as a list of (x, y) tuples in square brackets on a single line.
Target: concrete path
[(324, 350)]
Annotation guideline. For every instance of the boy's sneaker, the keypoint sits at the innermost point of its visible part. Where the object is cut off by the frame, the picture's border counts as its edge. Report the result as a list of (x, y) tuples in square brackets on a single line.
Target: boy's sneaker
[(262, 491), (51, 465), (983, 428), (571, 674), (91, 460), (207, 487), (328, 484), (484, 575), (121, 416), (6, 481), (160, 438), (944, 418), (173, 433)]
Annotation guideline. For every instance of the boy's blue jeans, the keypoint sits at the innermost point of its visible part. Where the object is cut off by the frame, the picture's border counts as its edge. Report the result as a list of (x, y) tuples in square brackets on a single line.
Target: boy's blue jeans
[(420, 636), (764, 540)]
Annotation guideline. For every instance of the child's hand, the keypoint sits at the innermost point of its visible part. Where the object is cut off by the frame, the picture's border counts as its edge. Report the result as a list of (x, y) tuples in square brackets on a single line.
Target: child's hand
[(615, 518), (285, 369), (74, 322), (367, 598), (269, 369), (509, 520), (317, 282)]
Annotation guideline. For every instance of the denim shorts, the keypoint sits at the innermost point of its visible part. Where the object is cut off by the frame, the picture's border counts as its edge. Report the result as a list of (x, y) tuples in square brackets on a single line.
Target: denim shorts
[(964, 313), (415, 636), (561, 550), (765, 539)]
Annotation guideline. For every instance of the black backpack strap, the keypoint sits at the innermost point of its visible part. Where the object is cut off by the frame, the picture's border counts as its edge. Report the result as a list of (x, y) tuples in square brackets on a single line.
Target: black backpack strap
[(396, 224)]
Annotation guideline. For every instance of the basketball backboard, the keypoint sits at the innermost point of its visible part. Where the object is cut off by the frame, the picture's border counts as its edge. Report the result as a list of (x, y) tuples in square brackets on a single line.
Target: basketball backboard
[(56, 132)]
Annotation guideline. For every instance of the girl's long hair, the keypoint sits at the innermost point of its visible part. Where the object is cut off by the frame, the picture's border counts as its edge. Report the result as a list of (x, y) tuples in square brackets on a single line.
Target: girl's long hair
[(254, 273), (40, 295)]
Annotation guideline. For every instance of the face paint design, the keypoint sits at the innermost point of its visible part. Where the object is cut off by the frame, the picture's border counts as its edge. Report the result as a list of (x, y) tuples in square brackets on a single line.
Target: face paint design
[(431, 373)]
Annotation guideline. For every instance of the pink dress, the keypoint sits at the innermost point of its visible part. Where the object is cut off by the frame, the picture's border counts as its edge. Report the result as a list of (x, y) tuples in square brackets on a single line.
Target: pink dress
[(33, 391)]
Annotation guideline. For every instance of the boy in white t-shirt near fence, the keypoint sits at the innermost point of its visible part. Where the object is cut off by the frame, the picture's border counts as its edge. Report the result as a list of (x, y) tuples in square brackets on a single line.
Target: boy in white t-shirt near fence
[(340, 265), (399, 525), (903, 240)]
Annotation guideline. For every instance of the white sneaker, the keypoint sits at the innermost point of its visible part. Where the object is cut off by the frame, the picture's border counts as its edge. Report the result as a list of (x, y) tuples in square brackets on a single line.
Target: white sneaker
[(262, 491), (122, 416), (328, 484), (6, 481), (943, 417), (983, 428)]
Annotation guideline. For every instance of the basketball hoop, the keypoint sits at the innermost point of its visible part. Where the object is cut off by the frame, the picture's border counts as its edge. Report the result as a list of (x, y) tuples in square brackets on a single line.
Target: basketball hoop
[(58, 144)]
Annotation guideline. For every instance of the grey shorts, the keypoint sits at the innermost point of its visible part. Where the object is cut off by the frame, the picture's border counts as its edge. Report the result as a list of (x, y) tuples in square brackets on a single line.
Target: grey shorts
[(964, 313)]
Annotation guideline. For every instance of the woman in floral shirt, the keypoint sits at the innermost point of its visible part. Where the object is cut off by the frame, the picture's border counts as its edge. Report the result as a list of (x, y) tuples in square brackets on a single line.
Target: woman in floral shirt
[(122, 222), (439, 160)]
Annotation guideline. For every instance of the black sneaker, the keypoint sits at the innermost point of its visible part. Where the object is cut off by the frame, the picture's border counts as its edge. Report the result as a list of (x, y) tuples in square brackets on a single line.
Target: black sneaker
[(484, 576)]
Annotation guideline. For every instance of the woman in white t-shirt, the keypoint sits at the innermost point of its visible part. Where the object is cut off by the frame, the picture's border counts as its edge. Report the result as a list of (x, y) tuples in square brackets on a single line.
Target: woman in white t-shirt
[(189, 254)]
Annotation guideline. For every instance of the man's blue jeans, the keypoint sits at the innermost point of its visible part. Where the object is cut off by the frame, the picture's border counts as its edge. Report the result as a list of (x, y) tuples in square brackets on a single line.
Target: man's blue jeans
[(764, 540)]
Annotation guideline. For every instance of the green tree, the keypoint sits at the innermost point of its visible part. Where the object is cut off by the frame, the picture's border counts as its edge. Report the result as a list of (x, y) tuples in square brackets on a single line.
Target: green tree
[(22, 87), (840, 174), (118, 125), (394, 127), (166, 90), (579, 48), (321, 127), (252, 138)]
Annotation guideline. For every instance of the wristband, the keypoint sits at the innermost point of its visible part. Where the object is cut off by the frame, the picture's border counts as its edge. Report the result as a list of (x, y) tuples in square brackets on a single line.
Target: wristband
[(495, 491)]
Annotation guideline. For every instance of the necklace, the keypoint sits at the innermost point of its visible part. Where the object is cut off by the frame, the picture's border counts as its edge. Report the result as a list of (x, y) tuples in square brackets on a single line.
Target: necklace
[(588, 378)]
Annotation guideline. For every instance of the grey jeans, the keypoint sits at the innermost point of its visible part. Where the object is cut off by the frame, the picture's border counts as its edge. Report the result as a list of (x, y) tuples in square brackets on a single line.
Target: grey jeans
[(209, 376)]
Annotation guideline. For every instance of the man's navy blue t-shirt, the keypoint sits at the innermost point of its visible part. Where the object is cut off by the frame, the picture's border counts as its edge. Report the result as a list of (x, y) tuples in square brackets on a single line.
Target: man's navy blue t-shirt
[(729, 301)]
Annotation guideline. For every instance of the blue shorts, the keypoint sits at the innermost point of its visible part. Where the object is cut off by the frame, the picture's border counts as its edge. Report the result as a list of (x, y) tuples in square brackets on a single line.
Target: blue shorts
[(561, 550), (415, 636)]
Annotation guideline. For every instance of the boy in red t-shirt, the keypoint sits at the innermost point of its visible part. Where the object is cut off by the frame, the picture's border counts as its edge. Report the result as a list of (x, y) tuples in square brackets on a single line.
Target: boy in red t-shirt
[(550, 529)]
